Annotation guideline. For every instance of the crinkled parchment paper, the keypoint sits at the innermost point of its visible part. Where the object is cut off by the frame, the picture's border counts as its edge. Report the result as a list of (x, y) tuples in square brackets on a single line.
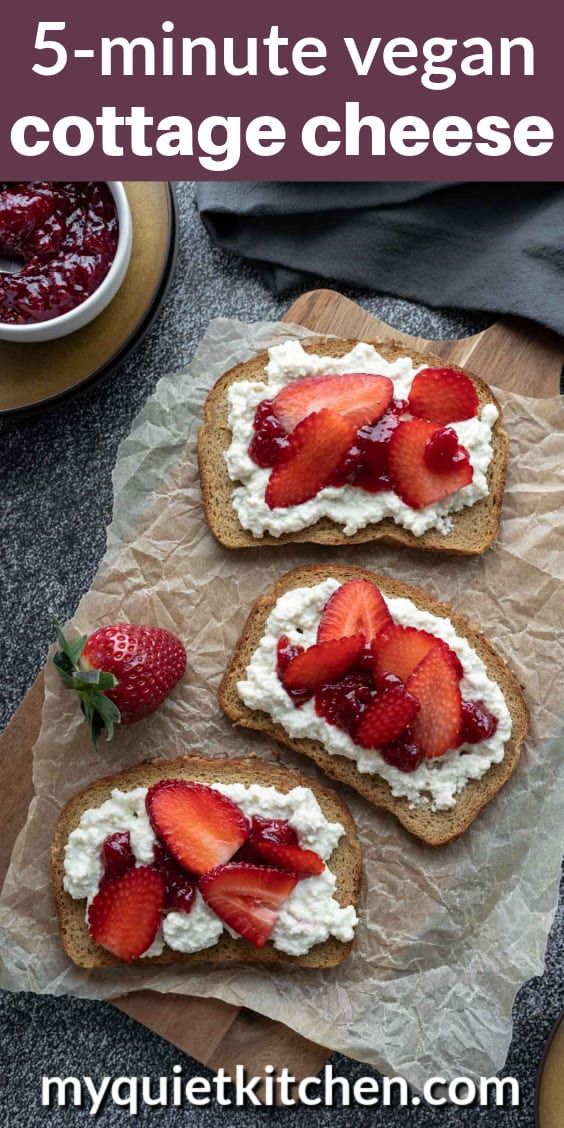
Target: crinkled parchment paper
[(445, 937)]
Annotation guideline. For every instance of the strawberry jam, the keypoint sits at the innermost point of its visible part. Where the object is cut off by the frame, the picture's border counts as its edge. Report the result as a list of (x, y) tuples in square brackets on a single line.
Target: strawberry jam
[(117, 855), (65, 235), (278, 831), (366, 463), (270, 440), (285, 653), (344, 703), (403, 754), (179, 886), (443, 452), (477, 722), (274, 830)]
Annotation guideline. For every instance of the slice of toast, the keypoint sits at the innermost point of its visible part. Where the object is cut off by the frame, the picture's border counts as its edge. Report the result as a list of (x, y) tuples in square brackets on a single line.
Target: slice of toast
[(474, 528), (345, 861), (433, 827)]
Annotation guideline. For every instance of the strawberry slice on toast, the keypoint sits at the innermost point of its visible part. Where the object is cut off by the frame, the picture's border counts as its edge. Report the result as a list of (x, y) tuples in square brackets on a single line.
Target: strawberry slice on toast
[(435, 685), (357, 607), (415, 483), (398, 650), (199, 826), (442, 395), (248, 898), (361, 397), (277, 832), (294, 859), (323, 663), (389, 715), (317, 447), (125, 914)]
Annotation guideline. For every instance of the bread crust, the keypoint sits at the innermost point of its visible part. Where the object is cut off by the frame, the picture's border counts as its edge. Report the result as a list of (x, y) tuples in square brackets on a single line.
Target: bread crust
[(474, 528), (436, 828), (345, 861)]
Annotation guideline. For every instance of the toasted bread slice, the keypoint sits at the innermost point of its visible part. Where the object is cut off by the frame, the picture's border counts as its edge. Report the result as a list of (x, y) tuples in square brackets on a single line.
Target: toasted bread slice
[(433, 827), (474, 528), (345, 862)]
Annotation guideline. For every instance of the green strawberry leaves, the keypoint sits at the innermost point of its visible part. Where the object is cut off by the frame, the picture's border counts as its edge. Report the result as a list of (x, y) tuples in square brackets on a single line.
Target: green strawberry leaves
[(71, 651), (100, 712)]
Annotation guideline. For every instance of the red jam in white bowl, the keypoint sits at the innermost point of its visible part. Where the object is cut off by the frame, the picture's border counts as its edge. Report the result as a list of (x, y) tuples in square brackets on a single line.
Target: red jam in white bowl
[(66, 237)]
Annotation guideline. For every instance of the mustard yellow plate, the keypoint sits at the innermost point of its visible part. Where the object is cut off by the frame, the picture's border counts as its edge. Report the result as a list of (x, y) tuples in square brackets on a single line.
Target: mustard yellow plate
[(550, 1085), (35, 376)]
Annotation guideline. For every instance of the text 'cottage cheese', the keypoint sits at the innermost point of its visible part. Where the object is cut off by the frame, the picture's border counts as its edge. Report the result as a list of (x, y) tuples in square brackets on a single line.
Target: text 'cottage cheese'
[(310, 915), (435, 783), (348, 506)]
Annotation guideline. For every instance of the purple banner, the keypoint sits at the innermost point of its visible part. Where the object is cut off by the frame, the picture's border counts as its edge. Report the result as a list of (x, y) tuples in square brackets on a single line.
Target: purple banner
[(300, 91)]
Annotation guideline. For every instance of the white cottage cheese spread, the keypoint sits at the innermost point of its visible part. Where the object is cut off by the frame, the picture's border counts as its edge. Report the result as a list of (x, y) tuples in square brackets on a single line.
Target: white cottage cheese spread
[(309, 915), (435, 783), (346, 505)]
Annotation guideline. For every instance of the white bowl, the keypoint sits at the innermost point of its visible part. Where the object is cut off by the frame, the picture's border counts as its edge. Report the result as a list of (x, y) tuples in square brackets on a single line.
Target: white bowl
[(82, 314)]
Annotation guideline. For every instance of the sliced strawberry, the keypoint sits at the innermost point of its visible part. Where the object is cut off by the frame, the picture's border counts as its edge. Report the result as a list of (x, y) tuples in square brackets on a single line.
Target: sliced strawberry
[(414, 482), (362, 398), (323, 663), (442, 395), (292, 858), (454, 660), (317, 447), (357, 607), (390, 714), (248, 898), (434, 683), (199, 826), (125, 914), (398, 650)]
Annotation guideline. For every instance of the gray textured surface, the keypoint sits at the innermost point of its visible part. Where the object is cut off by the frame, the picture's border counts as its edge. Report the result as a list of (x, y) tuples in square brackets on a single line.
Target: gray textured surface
[(55, 474)]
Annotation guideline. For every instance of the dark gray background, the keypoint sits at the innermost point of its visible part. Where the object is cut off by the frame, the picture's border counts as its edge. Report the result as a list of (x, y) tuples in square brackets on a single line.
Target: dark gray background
[(55, 504)]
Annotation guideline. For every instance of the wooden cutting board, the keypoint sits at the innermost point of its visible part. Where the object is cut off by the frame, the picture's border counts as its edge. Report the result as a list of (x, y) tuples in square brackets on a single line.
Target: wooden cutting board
[(513, 355)]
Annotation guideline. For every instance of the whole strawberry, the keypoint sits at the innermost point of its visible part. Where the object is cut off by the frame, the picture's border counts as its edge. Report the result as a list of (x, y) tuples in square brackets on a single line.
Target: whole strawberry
[(121, 673)]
